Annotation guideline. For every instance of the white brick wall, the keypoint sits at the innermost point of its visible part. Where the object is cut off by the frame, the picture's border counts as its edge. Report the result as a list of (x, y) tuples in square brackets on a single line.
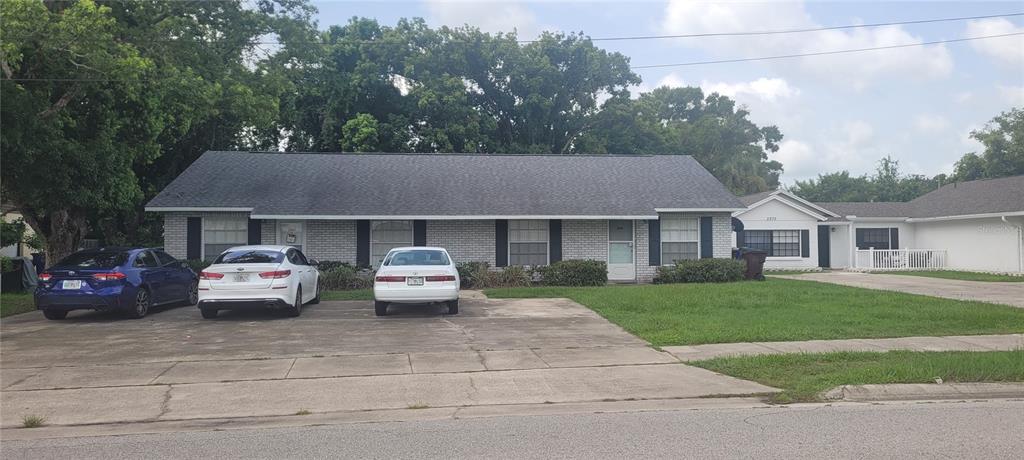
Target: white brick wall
[(176, 230), (644, 271), (585, 239), (333, 240), (465, 240)]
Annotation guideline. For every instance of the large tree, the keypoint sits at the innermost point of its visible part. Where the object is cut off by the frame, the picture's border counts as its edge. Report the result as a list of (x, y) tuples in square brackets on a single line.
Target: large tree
[(888, 183), (1003, 139)]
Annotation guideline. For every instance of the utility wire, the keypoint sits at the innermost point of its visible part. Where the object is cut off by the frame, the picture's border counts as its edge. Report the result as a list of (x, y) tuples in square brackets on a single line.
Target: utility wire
[(654, 66), (822, 53)]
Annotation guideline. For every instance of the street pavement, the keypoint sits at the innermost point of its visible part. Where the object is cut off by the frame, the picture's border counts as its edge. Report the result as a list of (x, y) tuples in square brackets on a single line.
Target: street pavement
[(993, 292), (987, 429)]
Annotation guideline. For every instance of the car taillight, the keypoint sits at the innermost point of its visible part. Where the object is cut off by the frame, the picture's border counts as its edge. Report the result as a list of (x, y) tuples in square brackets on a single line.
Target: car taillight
[(210, 276), (112, 276), (275, 274), (45, 277), (390, 279), (441, 278)]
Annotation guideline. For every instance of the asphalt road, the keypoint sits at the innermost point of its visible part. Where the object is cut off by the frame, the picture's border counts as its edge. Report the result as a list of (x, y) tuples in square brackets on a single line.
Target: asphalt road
[(906, 430)]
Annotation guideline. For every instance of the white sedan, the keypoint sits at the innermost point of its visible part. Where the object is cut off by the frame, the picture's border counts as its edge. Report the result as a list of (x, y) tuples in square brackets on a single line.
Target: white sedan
[(416, 275), (278, 277)]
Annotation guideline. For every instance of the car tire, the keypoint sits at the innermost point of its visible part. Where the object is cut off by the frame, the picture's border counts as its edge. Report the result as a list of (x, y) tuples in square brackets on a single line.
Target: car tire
[(208, 313), (319, 291), (380, 308), (141, 306), (296, 308), (453, 307), (55, 314), (193, 294)]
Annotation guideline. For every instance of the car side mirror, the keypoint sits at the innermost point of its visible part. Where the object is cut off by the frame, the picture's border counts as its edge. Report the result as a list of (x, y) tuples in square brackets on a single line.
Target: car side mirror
[(314, 262)]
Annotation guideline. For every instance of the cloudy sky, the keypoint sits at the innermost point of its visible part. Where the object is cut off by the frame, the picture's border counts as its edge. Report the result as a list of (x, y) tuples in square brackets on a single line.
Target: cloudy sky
[(836, 112)]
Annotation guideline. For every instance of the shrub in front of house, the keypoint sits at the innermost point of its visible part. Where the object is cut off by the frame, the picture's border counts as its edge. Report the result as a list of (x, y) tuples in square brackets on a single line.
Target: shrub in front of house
[(575, 273), (197, 265), (339, 276), (473, 274), (512, 276), (701, 271)]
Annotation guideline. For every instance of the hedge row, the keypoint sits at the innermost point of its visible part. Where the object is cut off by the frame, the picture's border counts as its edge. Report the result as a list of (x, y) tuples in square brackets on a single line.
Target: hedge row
[(701, 271)]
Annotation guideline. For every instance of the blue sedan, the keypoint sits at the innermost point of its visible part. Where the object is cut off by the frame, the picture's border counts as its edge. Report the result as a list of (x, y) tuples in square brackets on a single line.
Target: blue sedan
[(126, 280)]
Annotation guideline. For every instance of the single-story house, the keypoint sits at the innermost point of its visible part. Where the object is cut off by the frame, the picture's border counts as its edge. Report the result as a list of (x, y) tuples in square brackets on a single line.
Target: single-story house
[(974, 225), (635, 212)]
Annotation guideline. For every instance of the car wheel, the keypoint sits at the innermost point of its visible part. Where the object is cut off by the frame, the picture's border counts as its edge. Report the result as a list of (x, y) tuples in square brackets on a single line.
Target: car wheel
[(319, 291), (380, 308), (193, 293), (296, 309), (453, 307), (208, 313), (55, 314), (141, 306)]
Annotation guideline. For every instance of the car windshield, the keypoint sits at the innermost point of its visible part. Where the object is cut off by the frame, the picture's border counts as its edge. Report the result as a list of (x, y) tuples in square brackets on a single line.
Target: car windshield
[(416, 257), (250, 256), (94, 259)]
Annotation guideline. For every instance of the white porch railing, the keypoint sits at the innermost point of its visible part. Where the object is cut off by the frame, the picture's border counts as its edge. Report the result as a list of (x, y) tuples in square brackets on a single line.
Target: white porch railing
[(900, 259)]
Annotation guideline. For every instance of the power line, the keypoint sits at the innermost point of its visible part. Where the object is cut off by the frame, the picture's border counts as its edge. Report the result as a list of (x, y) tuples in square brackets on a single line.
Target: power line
[(650, 66), (821, 53)]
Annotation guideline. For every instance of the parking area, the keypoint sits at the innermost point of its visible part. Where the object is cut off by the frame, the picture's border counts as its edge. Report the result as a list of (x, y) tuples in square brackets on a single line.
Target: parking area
[(174, 365)]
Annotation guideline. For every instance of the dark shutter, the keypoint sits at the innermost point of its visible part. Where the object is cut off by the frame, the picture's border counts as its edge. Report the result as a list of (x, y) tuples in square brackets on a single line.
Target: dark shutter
[(894, 238), (194, 238), (501, 243), (419, 233), (824, 246), (706, 249), (805, 243), (362, 243), (255, 231), (555, 239), (860, 238), (654, 242), (741, 239)]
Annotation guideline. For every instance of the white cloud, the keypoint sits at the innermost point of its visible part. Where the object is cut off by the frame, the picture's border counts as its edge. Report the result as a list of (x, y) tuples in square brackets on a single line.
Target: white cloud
[(850, 146), (672, 81), (1007, 50), (767, 89), (1013, 94), (855, 69), (487, 16), (964, 97), (929, 123)]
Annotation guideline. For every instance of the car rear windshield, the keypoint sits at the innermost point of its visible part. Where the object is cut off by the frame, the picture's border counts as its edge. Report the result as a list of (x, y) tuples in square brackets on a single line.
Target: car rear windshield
[(250, 256), (94, 259), (417, 257)]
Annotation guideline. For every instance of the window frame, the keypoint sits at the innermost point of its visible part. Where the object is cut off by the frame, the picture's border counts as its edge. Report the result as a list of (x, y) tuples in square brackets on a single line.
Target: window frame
[(888, 237), (771, 242), (547, 241), (202, 233), (662, 240), (374, 262)]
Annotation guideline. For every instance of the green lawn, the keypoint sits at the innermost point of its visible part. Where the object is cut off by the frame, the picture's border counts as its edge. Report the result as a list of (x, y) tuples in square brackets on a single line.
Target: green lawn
[(957, 275), (804, 376), (357, 294), (12, 304), (778, 310)]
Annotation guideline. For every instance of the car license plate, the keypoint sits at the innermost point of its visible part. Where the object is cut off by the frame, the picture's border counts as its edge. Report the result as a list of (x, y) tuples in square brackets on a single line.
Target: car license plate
[(242, 278), (71, 284), (414, 281)]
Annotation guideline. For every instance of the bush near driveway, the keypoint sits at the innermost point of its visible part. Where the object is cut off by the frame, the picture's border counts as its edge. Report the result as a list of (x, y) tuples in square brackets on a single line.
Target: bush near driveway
[(778, 310), (702, 271), (574, 273), (803, 376), (343, 277), (478, 275)]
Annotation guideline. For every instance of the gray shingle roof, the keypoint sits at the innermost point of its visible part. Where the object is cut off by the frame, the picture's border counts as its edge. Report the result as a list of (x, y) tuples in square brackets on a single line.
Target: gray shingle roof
[(755, 197), (445, 184), (984, 196), (867, 209)]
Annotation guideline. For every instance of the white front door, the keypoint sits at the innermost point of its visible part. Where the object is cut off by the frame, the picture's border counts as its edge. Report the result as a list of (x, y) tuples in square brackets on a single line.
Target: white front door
[(621, 253), (292, 234)]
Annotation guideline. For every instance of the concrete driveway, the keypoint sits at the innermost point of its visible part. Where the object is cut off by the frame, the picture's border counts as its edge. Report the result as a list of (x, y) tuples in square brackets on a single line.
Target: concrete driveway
[(983, 291), (336, 357)]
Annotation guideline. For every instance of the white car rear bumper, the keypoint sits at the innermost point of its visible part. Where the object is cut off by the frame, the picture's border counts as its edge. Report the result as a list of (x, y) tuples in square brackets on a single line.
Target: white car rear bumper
[(415, 294), (241, 297)]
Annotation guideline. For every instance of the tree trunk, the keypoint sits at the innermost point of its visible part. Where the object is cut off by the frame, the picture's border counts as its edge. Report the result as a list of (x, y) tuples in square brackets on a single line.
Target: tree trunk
[(62, 232)]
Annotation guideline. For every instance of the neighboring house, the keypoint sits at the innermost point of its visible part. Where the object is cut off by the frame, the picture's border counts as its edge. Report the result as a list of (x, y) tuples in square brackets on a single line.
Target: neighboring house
[(973, 225), (10, 214), (634, 212)]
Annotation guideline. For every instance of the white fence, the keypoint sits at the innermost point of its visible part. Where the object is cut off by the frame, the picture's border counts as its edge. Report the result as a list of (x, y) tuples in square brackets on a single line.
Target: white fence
[(900, 259)]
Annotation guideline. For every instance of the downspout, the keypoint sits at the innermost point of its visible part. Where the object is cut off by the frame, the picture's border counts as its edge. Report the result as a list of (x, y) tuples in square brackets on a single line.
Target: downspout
[(1020, 243)]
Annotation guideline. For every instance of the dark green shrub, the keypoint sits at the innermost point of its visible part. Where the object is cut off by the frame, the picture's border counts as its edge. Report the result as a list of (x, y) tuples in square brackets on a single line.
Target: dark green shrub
[(512, 276), (197, 265), (702, 271), (344, 277), (575, 273), (330, 265), (6, 264), (472, 274)]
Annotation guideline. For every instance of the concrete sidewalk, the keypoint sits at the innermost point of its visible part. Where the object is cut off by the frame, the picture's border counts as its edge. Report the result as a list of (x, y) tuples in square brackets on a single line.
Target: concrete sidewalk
[(1009, 293), (1003, 342)]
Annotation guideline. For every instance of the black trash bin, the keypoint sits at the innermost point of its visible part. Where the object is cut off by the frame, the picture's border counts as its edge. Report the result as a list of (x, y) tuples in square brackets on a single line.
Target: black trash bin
[(755, 263)]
